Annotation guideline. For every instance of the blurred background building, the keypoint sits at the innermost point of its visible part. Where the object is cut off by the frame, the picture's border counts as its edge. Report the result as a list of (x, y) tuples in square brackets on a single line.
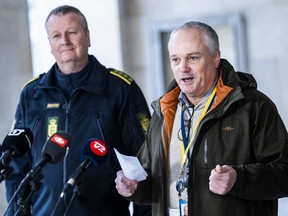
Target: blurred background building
[(131, 35)]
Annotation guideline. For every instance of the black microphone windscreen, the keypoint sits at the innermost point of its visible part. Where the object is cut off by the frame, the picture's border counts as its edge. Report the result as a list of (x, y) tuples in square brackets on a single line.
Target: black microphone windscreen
[(18, 140), (95, 150), (56, 145)]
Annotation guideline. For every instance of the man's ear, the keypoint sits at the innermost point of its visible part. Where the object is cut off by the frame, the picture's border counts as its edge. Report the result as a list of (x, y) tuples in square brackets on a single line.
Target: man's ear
[(217, 59)]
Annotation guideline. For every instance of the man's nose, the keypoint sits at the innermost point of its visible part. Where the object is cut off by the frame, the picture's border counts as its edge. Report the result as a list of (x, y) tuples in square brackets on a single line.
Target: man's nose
[(184, 65), (64, 39)]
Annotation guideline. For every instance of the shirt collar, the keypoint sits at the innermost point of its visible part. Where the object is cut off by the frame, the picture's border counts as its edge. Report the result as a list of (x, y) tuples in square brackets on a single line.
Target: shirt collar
[(183, 100)]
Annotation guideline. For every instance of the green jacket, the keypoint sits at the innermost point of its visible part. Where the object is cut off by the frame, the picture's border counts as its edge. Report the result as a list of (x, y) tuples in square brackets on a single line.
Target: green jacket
[(242, 129)]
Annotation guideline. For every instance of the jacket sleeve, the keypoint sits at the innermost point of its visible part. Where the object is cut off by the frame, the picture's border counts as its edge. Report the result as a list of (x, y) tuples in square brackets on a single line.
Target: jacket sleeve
[(150, 156), (143, 194), (266, 178), (135, 120), (20, 167)]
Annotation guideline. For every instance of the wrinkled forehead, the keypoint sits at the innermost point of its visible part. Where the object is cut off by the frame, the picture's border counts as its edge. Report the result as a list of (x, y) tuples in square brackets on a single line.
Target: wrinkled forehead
[(190, 37), (185, 39), (68, 18)]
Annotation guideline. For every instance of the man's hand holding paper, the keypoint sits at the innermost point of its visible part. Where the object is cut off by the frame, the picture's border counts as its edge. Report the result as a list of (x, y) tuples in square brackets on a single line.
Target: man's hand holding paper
[(131, 167)]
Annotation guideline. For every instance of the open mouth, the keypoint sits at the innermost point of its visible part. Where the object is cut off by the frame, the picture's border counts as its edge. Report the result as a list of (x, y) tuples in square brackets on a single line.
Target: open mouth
[(187, 79)]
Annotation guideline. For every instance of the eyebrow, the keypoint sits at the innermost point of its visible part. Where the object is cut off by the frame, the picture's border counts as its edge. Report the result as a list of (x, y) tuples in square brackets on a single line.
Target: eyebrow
[(189, 54)]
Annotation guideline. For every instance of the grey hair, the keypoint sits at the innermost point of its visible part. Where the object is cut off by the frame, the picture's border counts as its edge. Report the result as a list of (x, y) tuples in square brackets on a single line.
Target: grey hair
[(65, 9), (211, 39)]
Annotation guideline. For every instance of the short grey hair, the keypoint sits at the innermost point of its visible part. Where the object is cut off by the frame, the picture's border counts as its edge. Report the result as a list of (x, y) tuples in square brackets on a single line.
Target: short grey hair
[(65, 9), (212, 40)]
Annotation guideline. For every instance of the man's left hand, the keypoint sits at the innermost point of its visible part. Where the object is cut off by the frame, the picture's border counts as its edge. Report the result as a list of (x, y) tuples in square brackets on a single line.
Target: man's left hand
[(222, 179)]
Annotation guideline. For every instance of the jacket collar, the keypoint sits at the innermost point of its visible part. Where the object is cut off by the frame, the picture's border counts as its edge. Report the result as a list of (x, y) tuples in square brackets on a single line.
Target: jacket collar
[(96, 83), (166, 106), (228, 80)]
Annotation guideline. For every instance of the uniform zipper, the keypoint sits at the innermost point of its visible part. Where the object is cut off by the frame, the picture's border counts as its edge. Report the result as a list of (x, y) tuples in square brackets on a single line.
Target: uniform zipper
[(65, 161)]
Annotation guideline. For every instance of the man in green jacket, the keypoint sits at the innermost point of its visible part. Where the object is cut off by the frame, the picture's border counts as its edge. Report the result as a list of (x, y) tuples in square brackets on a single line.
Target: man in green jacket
[(215, 143)]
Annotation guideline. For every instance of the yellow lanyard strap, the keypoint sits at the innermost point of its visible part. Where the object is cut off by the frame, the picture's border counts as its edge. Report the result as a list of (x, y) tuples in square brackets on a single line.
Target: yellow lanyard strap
[(207, 105)]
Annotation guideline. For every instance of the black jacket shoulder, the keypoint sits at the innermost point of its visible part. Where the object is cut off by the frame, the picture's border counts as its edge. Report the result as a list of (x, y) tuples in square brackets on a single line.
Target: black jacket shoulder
[(246, 80), (34, 81)]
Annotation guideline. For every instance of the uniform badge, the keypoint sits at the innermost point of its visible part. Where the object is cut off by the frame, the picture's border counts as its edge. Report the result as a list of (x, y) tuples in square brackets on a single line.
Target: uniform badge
[(52, 125), (53, 105), (144, 120)]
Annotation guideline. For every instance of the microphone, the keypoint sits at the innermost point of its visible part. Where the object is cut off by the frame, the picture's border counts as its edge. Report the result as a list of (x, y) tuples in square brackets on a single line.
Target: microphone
[(94, 151), (15, 144), (54, 150)]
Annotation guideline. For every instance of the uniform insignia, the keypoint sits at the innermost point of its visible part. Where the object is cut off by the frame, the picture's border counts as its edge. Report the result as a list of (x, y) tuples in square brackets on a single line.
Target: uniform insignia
[(53, 105), (31, 80), (128, 79), (144, 120), (52, 125)]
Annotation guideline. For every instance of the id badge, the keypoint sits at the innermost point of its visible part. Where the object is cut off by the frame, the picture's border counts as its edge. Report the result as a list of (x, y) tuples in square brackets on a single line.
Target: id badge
[(183, 207)]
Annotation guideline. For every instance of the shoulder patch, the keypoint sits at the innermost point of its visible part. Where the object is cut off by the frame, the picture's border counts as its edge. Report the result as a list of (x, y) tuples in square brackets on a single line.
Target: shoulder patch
[(125, 77), (144, 120), (31, 80)]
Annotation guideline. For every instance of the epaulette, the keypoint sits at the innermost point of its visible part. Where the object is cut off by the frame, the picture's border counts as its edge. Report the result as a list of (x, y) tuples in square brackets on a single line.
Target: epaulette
[(32, 80), (125, 77)]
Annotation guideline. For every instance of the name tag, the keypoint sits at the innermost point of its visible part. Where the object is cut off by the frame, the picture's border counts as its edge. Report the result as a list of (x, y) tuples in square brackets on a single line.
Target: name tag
[(183, 207)]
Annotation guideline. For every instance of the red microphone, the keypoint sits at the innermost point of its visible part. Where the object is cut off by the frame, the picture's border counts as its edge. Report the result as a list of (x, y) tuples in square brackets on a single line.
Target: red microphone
[(53, 151)]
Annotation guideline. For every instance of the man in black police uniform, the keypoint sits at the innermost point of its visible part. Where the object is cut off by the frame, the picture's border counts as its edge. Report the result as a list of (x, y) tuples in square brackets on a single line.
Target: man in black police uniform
[(80, 96)]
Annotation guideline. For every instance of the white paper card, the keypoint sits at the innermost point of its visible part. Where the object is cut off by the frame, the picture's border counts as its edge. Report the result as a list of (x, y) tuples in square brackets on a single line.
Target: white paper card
[(131, 167), (174, 212)]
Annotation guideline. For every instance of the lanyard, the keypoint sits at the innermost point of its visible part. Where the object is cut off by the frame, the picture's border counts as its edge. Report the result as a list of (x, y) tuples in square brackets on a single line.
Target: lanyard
[(185, 147), (183, 130)]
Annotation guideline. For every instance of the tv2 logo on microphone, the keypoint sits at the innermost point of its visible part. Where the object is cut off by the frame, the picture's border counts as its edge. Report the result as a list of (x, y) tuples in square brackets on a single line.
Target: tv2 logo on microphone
[(98, 147)]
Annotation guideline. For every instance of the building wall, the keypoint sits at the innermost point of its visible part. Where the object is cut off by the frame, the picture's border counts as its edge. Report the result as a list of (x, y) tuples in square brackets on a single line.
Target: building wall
[(266, 31), (15, 64), (15, 58)]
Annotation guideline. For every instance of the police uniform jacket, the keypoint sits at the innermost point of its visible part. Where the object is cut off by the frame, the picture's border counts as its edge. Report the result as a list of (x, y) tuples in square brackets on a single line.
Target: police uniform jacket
[(105, 104)]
